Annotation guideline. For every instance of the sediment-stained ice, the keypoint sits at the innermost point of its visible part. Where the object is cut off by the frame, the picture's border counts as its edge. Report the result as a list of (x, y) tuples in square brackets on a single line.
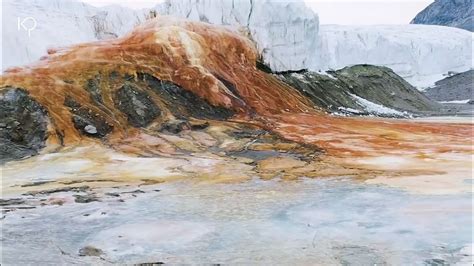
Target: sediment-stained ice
[(330, 221)]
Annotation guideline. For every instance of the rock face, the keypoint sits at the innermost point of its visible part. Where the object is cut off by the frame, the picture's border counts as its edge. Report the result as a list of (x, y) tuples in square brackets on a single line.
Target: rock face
[(419, 53), (286, 33), (361, 90), (86, 120), (454, 88), (183, 103), (453, 13), (23, 124), (137, 105)]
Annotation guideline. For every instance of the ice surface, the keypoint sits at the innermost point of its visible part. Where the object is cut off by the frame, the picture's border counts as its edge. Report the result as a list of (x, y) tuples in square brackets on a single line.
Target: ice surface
[(59, 23), (332, 222), (287, 34), (374, 108), (289, 37), (457, 101), (422, 54)]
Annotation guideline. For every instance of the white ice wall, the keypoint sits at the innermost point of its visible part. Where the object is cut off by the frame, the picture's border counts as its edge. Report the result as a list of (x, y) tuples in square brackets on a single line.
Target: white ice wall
[(59, 23), (419, 53), (289, 37), (285, 33)]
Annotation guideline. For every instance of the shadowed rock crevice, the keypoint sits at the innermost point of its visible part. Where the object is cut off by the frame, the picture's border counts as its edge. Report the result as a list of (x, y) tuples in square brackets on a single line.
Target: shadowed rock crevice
[(183, 103), (23, 125), (136, 105), (229, 85), (175, 126), (86, 120), (93, 87)]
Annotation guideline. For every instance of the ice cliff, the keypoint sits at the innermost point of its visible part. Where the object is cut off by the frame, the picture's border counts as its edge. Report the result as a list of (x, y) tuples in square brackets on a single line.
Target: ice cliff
[(286, 34), (59, 23), (289, 38), (421, 54)]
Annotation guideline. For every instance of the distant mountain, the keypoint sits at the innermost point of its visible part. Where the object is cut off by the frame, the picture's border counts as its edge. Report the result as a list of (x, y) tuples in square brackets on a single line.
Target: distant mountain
[(454, 88), (453, 13)]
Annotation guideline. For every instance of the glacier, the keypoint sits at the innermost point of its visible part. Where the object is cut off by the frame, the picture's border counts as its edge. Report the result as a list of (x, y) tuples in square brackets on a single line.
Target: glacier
[(422, 54), (59, 23), (289, 38), (287, 35)]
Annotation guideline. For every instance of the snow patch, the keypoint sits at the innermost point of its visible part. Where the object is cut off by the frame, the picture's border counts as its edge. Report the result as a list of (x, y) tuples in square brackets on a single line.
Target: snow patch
[(456, 101), (374, 108), (349, 110)]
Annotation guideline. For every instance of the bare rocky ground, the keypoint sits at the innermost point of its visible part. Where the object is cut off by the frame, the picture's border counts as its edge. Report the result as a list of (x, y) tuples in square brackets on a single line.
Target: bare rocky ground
[(457, 109), (362, 90), (456, 87), (455, 94)]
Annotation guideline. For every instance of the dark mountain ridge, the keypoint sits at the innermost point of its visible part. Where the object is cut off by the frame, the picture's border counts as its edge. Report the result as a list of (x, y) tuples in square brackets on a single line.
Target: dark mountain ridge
[(452, 13)]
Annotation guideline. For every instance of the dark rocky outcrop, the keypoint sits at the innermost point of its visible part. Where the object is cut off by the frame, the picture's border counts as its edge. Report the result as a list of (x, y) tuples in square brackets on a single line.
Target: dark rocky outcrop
[(456, 87), (337, 91), (23, 125), (453, 13), (175, 126), (90, 251), (136, 105), (183, 103), (93, 87), (86, 120)]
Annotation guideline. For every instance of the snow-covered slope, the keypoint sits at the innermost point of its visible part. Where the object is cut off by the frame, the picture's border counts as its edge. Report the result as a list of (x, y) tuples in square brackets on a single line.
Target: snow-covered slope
[(59, 23), (286, 33), (421, 54)]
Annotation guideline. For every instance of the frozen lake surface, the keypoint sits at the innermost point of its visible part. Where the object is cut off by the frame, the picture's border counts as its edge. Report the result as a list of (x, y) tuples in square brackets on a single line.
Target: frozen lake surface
[(330, 221)]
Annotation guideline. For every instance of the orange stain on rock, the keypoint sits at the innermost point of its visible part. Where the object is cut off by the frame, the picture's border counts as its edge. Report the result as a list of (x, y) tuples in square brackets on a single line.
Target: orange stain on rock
[(197, 56)]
